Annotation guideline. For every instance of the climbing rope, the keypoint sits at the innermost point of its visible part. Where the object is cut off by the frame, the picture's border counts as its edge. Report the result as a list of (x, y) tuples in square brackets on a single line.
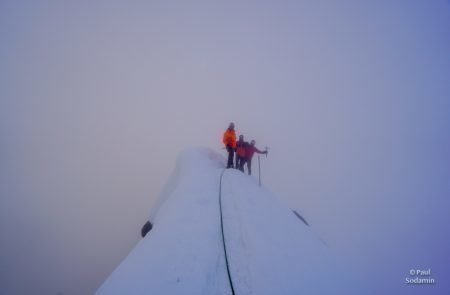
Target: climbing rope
[(223, 235)]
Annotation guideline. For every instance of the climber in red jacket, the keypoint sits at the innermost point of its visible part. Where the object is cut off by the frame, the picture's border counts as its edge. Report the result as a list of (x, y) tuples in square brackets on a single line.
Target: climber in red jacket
[(241, 148), (249, 152)]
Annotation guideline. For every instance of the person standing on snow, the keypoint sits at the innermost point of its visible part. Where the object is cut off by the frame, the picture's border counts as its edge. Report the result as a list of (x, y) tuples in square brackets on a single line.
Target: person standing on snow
[(249, 152), (241, 147), (229, 139)]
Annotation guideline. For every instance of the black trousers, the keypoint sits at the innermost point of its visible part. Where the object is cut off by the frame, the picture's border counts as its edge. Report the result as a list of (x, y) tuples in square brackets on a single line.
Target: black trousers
[(239, 163), (249, 165), (242, 162), (230, 151)]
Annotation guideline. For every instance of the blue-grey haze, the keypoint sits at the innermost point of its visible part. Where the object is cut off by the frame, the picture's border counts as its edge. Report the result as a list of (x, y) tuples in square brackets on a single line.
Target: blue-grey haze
[(98, 97)]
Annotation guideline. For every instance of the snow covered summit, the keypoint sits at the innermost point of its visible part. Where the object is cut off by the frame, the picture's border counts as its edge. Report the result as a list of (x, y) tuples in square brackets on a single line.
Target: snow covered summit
[(268, 249)]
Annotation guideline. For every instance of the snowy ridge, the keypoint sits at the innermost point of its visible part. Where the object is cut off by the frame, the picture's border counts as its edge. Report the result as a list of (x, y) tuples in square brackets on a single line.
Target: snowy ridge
[(270, 251)]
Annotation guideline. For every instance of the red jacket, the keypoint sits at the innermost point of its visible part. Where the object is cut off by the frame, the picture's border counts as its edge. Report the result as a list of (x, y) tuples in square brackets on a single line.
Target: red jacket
[(241, 148), (251, 150)]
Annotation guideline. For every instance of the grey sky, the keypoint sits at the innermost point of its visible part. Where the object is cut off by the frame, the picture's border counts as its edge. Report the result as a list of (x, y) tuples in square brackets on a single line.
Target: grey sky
[(97, 99)]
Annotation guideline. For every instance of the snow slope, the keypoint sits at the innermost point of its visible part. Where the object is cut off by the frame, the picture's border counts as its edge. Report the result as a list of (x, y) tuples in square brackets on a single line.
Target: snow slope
[(270, 251)]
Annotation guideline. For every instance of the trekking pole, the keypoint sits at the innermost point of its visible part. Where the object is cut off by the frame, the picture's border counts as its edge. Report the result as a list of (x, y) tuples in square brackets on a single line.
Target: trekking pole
[(259, 165), (259, 170)]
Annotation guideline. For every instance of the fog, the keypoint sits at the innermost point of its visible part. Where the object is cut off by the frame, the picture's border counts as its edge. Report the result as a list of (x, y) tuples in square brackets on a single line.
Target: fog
[(97, 99)]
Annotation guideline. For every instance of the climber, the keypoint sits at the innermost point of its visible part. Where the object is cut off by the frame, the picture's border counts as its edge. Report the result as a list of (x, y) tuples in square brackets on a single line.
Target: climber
[(249, 152), (241, 147), (229, 139)]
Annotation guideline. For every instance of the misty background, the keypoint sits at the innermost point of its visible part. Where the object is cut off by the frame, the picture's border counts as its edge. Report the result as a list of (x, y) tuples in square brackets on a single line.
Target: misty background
[(98, 98)]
